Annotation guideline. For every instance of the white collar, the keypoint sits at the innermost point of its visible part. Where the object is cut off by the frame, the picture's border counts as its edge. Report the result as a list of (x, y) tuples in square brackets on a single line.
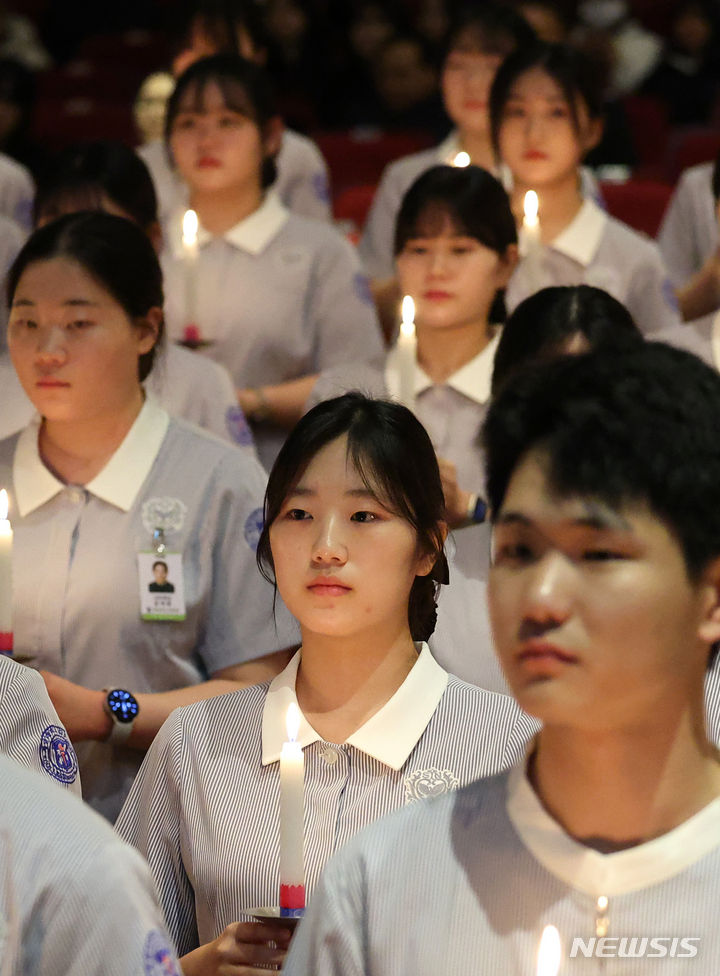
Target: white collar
[(389, 735), (472, 380), (448, 148), (252, 234), (598, 874), (581, 238), (119, 481)]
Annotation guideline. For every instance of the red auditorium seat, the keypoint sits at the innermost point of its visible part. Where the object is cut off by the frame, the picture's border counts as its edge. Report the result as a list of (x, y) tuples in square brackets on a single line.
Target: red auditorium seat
[(689, 147), (649, 129), (639, 203), (360, 155), (60, 122), (352, 205)]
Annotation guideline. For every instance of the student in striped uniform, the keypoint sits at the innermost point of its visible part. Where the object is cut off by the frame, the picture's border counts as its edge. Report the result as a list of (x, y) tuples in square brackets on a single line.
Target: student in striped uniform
[(354, 537), (30, 731), (279, 296), (101, 483), (73, 898), (605, 602), (545, 109)]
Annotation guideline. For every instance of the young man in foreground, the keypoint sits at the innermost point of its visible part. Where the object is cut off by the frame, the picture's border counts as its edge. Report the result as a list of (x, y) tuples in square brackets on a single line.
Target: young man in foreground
[(604, 481)]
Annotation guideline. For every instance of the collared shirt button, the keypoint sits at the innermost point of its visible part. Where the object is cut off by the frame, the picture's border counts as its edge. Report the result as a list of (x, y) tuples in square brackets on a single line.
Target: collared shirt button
[(330, 756)]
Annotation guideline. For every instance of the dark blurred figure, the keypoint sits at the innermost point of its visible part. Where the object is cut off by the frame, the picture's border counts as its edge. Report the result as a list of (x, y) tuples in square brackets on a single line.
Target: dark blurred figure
[(296, 60), (17, 102), (405, 93), (688, 74), (548, 19)]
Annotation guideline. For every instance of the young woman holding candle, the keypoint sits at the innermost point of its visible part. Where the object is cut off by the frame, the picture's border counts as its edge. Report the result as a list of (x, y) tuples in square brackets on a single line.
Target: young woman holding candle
[(354, 539), (280, 297), (102, 483), (455, 249), (545, 109), (236, 27), (107, 175)]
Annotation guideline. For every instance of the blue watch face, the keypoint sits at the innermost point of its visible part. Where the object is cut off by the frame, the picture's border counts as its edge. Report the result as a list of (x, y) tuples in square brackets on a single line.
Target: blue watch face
[(123, 705)]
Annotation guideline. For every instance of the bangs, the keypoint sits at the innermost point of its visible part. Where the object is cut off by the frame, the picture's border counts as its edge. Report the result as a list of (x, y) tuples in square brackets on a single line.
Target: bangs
[(234, 96), (375, 476), (434, 219)]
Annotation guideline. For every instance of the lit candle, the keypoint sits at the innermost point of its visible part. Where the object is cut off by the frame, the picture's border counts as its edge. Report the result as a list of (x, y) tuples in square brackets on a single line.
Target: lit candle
[(461, 159), (549, 952), (531, 242), (292, 866), (407, 354), (191, 332), (6, 542)]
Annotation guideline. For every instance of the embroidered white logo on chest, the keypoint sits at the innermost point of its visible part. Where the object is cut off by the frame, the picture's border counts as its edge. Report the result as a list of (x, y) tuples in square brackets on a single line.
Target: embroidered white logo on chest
[(164, 513), (424, 783)]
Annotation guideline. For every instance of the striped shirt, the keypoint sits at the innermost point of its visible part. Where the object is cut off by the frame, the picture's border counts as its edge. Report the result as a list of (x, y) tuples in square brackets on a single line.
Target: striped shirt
[(204, 809), (30, 731), (467, 884), (74, 900)]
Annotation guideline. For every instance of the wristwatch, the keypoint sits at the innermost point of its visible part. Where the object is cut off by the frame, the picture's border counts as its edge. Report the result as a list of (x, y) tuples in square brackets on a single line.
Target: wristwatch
[(123, 709)]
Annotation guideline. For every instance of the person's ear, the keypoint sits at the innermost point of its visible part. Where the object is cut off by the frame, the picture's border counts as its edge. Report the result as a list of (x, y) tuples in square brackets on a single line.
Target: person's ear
[(272, 135), (507, 264), (148, 330), (709, 629), (427, 560), (592, 134)]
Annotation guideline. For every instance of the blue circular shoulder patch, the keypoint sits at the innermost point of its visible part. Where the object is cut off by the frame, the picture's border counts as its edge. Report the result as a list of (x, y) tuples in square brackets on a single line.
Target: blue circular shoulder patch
[(253, 528), (362, 289), (158, 957), (238, 427), (321, 187), (57, 755)]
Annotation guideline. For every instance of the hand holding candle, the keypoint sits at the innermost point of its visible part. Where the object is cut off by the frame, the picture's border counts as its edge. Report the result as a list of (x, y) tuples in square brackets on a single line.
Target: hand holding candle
[(531, 241), (292, 866), (6, 543), (549, 951), (407, 354)]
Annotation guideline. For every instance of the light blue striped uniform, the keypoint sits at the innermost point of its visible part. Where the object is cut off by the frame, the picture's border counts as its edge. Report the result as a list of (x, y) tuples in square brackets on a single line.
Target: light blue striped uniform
[(74, 900), (204, 809)]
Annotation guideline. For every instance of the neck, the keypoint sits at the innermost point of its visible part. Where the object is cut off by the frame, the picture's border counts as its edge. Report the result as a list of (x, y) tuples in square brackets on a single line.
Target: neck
[(615, 790), (343, 682), (77, 451), (218, 212), (479, 148), (558, 205), (442, 352)]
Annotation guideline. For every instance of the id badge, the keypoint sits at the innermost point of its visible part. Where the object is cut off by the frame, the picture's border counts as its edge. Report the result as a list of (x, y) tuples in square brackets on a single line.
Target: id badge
[(162, 587)]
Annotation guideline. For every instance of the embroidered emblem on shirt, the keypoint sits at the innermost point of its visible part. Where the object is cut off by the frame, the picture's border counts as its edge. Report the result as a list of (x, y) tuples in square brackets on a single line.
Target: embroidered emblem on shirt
[(165, 513), (320, 186), (238, 427), (158, 957), (253, 527), (57, 755), (669, 295), (362, 289), (424, 783)]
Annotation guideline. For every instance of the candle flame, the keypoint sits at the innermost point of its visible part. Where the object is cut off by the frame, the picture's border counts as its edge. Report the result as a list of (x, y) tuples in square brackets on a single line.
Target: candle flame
[(190, 227), (462, 159), (3, 504), (549, 952), (292, 722), (530, 207), (407, 326)]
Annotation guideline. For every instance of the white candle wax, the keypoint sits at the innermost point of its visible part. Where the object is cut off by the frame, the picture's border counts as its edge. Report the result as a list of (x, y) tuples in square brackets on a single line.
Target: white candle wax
[(549, 952), (6, 543), (190, 253), (292, 864), (531, 243), (407, 354)]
